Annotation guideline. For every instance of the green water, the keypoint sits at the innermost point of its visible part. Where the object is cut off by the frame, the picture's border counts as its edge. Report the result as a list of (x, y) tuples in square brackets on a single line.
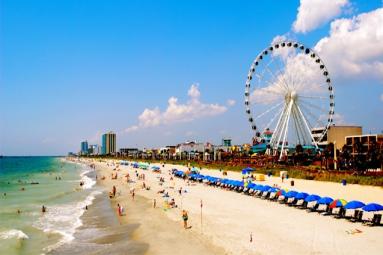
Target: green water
[(31, 231)]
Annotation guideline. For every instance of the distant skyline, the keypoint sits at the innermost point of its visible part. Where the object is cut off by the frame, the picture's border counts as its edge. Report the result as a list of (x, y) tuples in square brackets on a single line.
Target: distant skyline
[(161, 72)]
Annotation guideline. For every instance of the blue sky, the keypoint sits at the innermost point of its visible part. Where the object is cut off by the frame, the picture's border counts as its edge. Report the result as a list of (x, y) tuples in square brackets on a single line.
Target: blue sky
[(71, 70)]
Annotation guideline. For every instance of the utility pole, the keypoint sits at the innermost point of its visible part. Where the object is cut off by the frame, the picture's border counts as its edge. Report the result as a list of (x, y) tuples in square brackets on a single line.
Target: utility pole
[(335, 158)]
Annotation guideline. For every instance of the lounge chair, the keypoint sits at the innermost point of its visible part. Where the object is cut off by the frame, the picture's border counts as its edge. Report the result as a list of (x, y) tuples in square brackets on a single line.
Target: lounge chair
[(273, 196), (312, 206), (291, 201), (376, 220), (338, 212), (265, 194), (281, 199), (357, 217), (299, 203)]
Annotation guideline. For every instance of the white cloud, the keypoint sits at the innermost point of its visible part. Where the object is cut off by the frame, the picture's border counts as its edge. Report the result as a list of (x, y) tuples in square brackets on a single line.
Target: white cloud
[(177, 112), (314, 13), (354, 46), (231, 102)]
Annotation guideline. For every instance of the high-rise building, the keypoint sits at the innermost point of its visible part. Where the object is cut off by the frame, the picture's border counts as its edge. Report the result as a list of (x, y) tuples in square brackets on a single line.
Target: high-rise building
[(108, 143), (84, 148), (94, 149)]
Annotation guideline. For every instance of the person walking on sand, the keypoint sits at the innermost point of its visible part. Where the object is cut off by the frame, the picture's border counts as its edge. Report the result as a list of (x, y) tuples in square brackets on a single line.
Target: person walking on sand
[(185, 218), (133, 193), (154, 203), (114, 191)]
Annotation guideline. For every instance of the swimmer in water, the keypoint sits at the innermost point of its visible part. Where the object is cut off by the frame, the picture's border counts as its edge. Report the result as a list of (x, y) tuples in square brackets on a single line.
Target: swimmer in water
[(43, 209)]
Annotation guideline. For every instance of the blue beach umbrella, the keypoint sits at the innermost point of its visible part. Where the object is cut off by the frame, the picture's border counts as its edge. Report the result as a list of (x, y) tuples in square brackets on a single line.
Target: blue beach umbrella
[(291, 193), (312, 198), (266, 188), (355, 204), (373, 207), (325, 200), (301, 195), (247, 170), (272, 190), (259, 187)]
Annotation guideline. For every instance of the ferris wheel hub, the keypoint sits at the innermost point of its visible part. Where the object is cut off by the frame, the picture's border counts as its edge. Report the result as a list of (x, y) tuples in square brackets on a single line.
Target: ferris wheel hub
[(291, 95)]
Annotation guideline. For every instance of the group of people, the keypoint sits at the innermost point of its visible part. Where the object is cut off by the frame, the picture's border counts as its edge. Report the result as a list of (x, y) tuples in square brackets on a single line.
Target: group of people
[(169, 201)]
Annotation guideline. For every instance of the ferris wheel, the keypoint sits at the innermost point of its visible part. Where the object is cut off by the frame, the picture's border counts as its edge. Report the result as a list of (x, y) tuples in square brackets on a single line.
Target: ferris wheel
[(289, 96)]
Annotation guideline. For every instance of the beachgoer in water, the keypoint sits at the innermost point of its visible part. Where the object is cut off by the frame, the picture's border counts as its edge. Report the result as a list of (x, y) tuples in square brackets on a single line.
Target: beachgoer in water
[(185, 218), (86, 207), (43, 209), (5, 194)]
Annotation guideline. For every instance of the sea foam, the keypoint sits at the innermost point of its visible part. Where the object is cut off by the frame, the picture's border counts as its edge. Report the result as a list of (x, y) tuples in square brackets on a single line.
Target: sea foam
[(64, 220), (13, 233)]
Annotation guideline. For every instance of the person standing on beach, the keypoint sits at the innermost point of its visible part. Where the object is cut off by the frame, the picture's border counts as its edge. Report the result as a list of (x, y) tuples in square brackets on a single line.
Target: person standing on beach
[(154, 203), (119, 209), (114, 191), (133, 193), (185, 218)]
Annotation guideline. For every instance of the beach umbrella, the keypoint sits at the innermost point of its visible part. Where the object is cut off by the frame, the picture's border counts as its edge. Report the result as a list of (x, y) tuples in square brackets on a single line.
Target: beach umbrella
[(338, 203), (282, 192), (272, 190), (325, 200), (247, 170), (355, 204), (259, 187), (373, 207), (301, 195), (312, 198), (266, 188), (291, 193)]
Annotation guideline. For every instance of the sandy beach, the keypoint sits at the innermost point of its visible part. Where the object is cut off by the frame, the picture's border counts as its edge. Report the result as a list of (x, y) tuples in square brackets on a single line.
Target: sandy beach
[(234, 223)]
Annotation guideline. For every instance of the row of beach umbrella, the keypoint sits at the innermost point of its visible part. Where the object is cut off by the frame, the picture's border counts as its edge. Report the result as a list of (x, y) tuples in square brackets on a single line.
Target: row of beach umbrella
[(351, 205)]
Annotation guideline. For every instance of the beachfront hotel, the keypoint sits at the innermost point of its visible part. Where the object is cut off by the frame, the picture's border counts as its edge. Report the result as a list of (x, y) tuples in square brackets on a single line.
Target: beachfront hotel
[(84, 148), (108, 143)]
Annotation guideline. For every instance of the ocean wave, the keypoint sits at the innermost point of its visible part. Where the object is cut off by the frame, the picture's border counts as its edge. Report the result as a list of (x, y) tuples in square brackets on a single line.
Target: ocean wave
[(88, 182), (13, 233), (64, 220)]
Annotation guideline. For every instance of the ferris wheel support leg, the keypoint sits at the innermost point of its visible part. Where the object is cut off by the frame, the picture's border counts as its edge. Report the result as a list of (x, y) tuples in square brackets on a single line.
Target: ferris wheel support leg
[(279, 131), (283, 127), (286, 128), (275, 134), (307, 126)]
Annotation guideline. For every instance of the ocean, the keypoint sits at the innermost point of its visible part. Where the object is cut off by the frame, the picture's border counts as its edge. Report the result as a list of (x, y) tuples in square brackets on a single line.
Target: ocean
[(58, 189)]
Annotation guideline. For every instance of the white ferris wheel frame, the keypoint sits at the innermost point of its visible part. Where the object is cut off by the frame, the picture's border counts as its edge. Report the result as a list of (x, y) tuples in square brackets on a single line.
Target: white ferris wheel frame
[(291, 107)]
